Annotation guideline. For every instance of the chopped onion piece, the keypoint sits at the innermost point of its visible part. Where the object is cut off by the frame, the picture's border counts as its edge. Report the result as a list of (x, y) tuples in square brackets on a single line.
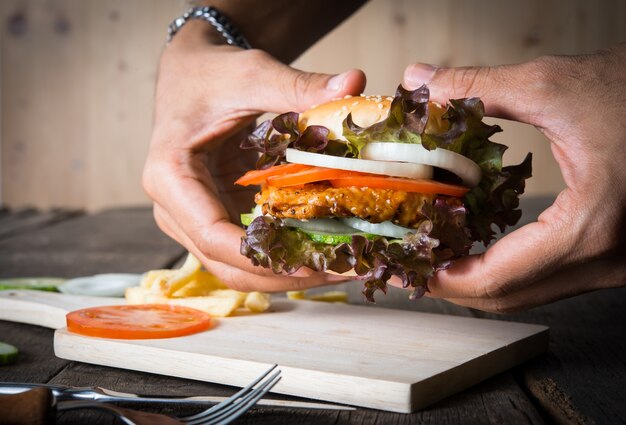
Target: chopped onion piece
[(387, 168), (460, 165), (386, 228)]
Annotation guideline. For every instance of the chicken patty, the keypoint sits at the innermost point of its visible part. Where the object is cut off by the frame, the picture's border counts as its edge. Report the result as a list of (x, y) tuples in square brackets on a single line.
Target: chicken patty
[(322, 200)]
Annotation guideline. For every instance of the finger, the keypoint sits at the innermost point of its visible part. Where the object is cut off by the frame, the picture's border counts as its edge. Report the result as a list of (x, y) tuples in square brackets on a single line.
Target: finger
[(574, 280), (251, 278), (279, 88), (222, 246), (165, 223), (245, 281), (508, 91), (236, 278), (528, 254)]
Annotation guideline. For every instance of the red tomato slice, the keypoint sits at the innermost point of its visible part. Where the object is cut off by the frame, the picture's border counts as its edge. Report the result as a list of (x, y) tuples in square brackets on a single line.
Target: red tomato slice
[(260, 176), (143, 321), (311, 175), (398, 183)]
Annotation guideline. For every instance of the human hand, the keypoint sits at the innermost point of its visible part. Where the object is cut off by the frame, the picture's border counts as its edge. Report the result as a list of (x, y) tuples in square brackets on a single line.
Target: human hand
[(206, 97), (577, 245)]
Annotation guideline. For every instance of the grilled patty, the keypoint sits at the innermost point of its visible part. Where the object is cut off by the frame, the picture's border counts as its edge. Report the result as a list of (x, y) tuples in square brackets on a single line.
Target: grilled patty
[(318, 200)]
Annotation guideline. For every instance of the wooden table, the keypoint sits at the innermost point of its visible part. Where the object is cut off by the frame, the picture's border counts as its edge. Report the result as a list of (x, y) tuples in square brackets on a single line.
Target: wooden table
[(580, 380)]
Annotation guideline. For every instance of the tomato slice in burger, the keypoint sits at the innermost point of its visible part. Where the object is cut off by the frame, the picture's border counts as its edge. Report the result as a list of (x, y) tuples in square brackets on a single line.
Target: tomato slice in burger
[(260, 176), (298, 174), (312, 175), (142, 321), (398, 183)]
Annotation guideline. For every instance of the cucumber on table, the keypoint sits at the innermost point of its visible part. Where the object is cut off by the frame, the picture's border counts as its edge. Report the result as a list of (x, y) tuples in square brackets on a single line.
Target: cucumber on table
[(38, 283), (8, 353)]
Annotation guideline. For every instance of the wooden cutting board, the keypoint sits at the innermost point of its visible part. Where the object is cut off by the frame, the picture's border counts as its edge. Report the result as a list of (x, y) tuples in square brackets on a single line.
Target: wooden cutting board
[(385, 359)]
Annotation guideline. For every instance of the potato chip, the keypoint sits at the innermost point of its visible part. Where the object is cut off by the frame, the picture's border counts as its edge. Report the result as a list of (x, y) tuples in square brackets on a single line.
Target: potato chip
[(193, 287), (257, 302)]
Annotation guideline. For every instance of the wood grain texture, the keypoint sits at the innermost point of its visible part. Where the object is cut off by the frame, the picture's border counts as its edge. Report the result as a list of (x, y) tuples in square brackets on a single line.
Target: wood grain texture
[(582, 378), (579, 380), (325, 351), (76, 79), (43, 103), (28, 220), (111, 241), (499, 397), (36, 361), (497, 400), (386, 36), (77, 86)]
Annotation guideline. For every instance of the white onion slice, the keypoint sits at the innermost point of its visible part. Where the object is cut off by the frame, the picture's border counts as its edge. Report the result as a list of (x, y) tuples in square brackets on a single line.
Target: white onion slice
[(386, 228), (319, 225), (257, 211), (462, 166), (386, 168)]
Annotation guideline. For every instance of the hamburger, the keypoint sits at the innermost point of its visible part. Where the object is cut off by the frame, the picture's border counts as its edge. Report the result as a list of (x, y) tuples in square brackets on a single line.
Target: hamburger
[(375, 187)]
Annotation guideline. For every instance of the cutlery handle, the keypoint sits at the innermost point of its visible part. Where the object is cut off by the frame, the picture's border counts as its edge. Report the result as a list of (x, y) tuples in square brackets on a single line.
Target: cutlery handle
[(30, 407)]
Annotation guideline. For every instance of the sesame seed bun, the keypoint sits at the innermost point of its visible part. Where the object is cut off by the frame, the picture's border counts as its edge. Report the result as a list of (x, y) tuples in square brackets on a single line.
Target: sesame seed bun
[(366, 111)]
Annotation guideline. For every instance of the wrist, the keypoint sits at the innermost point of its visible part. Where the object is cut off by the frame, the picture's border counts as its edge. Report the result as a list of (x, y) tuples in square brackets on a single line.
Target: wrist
[(217, 20), (197, 33)]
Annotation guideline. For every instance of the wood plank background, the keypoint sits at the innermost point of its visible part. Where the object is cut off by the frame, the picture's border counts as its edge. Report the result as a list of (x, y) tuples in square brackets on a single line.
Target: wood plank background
[(77, 78)]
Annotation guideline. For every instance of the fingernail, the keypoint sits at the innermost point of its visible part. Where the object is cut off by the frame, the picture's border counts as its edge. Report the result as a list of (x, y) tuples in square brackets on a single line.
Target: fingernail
[(417, 74), (337, 82)]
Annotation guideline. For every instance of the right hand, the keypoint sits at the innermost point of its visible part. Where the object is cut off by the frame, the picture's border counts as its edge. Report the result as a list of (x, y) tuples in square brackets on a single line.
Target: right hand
[(577, 244), (206, 98)]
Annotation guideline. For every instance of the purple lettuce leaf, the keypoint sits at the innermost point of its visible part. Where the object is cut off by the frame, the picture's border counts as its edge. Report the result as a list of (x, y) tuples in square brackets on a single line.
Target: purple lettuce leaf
[(414, 259), (446, 234), (272, 138), (496, 200), (405, 123)]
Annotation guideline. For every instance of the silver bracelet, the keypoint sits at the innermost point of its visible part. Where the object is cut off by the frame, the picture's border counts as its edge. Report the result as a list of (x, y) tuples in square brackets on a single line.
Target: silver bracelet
[(213, 16)]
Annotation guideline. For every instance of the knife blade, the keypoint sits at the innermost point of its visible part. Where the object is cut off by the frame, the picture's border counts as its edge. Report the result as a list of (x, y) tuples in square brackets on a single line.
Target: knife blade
[(66, 393)]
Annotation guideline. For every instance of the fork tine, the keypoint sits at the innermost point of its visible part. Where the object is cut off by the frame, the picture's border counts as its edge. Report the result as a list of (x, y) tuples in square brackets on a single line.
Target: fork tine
[(231, 399), (237, 409)]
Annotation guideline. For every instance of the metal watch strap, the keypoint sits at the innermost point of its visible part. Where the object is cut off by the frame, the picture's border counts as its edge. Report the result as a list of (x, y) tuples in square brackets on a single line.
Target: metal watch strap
[(213, 16)]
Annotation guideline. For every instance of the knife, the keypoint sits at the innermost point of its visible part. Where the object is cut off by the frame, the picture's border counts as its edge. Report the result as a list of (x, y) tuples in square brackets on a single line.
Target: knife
[(65, 392)]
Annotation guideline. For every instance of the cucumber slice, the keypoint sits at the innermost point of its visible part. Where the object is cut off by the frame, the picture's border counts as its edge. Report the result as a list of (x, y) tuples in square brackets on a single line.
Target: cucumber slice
[(38, 283), (330, 238), (247, 218), (8, 353), (335, 238)]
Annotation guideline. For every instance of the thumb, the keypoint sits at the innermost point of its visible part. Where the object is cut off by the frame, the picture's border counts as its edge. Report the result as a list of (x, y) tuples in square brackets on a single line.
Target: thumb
[(295, 90), (508, 91)]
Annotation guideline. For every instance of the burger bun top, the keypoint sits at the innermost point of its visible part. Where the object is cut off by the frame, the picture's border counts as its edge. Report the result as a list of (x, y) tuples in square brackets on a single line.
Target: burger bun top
[(366, 111)]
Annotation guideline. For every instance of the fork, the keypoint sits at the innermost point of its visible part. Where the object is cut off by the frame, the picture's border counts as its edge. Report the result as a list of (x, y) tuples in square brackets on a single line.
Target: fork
[(219, 414)]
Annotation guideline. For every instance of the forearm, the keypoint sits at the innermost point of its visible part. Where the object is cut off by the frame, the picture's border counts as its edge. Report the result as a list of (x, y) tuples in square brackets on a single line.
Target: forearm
[(283, 28)]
